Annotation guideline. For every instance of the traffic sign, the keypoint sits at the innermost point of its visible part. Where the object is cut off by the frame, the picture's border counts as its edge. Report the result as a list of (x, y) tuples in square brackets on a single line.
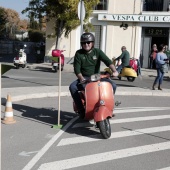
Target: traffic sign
[(81, 10)]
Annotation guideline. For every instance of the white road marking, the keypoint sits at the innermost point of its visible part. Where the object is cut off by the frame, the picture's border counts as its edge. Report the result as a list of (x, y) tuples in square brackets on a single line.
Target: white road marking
[(35, 159), (94, 138), (24, 153), (139, 109), (167, 168), (115, 121), (103, 157)]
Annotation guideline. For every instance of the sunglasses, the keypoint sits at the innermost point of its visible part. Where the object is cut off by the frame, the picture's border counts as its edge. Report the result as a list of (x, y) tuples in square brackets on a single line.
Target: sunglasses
[(86, 42)]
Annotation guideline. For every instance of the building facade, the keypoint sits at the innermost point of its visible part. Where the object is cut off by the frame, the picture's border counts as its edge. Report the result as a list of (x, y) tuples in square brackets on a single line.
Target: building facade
[(136, 24)]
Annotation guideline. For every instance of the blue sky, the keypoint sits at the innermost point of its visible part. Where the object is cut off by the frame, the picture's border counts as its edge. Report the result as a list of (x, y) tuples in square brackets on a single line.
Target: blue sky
[(17, 5)]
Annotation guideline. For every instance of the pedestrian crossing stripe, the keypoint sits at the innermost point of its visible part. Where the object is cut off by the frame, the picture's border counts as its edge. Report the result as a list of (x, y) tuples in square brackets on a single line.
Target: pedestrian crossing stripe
[(131, 132), (167, 168), (103, 157), (138, 109), (115, 121)]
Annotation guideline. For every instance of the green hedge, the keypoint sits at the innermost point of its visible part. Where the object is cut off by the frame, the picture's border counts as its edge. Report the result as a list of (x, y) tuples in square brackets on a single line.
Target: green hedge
[(5, 68)]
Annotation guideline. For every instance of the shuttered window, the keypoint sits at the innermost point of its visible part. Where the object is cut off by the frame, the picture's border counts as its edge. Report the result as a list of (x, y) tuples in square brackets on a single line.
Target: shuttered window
[(97, 33)]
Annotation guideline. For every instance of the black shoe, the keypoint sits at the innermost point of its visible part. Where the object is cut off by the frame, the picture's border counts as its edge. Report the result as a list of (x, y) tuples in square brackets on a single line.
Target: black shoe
[(81, 114)]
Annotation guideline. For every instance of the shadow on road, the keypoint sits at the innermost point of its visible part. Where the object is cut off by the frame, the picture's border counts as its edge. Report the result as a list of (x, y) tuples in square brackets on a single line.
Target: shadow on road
[(49, 116)]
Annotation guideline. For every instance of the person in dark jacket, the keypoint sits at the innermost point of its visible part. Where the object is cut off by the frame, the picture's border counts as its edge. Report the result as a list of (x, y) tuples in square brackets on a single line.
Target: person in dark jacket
[(86, 63), (153, 56), (124, 57)]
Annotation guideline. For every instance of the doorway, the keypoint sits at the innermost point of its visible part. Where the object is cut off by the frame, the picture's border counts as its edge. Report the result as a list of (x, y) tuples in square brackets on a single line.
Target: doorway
[(150, 36), (159, 40)]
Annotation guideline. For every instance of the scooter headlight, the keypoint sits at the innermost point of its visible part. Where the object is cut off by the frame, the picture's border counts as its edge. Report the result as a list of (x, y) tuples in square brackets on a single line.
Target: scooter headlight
[(95, 77)]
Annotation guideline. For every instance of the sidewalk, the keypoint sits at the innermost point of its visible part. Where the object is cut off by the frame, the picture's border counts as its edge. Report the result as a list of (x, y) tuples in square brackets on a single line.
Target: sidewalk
[(52, 91)]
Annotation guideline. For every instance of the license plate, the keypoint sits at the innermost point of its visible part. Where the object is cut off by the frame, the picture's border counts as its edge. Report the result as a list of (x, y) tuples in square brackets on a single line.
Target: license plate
[(55, 64), (16, 61)]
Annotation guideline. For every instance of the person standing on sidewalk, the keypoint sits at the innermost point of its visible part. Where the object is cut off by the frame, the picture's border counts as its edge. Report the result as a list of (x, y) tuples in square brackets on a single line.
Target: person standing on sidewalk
[(167, 52), (86, 63), (153, 56), (124, 57), (161, 59)]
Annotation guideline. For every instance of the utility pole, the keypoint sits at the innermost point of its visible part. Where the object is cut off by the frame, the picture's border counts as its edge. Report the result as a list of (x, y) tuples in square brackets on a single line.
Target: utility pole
[(81, 14)]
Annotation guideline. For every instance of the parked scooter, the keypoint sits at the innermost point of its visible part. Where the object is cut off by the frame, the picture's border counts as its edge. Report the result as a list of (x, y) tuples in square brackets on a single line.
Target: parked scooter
[(21, 59), (55, 64), (130, 72), (100, 105)]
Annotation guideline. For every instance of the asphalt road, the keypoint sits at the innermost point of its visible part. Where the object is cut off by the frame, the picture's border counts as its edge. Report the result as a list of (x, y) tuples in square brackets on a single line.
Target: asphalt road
[(46, 77), (140, 137)]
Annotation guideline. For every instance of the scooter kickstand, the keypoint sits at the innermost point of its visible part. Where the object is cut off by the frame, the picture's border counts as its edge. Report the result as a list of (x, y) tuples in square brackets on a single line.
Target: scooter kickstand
[(117, 103)]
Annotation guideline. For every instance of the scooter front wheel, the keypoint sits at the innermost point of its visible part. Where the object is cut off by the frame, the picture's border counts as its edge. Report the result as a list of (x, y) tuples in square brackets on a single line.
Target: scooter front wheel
[(131, 79), (105, 128)]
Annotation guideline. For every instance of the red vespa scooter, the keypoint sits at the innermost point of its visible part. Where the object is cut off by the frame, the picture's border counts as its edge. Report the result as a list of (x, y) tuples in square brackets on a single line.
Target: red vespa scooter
[(55, 64), (98, 101)]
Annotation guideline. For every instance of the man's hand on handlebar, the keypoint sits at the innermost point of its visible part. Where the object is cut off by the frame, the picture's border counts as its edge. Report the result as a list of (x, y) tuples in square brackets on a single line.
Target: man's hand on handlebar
[(115, 74)]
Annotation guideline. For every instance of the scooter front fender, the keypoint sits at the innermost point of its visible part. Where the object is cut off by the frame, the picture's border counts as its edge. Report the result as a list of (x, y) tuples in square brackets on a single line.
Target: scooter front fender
[(101, 113)]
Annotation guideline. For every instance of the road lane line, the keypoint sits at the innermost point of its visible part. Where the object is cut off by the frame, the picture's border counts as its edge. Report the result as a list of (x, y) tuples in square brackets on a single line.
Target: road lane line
[(115, 121), (167, 168), (94, 138), (35, 159), (139, 109), (103, 157)]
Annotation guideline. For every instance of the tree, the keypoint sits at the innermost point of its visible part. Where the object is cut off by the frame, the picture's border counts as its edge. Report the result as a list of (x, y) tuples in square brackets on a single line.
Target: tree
[(64, 12), (3, 19), (36, 10), (23, 24), (36, 36)]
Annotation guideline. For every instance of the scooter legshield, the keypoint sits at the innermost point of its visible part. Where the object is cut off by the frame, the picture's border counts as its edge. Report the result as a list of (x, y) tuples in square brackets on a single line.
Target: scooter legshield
[(96, 92), (102, 113)]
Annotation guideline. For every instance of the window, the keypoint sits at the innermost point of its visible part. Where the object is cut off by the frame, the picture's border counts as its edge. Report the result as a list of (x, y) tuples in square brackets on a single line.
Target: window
[(156, 5), (102, 5)]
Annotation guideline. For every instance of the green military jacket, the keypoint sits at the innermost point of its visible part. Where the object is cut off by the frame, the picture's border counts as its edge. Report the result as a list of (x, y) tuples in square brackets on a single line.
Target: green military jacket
[(89, 63), (125, 57)]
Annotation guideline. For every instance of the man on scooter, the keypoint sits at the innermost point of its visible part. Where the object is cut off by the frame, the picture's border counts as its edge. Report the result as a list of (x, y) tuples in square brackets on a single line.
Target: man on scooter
[(124, 57), (86, 63)]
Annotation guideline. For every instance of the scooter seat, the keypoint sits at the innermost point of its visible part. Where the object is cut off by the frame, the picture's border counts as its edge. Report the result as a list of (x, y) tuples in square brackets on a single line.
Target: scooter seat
[(128, 66)]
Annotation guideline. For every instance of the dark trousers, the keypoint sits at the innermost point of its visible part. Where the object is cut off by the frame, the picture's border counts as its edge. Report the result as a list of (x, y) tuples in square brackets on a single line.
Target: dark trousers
[(75, 87), (119, 68), (152, 63)]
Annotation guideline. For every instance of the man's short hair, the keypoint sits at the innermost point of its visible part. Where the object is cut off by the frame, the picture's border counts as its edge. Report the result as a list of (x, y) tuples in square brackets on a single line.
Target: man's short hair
[(123, 47)]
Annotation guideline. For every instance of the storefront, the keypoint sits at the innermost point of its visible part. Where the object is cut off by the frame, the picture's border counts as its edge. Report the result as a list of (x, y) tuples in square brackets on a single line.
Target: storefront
[(116, 26)]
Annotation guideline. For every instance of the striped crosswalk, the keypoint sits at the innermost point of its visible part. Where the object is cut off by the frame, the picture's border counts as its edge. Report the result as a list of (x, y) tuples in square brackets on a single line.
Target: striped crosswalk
[(158, 144), (94, 138)]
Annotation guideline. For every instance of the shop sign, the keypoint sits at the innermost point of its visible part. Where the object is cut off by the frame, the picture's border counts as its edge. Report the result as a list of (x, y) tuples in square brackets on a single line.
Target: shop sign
[(156, 31), (134, 18)]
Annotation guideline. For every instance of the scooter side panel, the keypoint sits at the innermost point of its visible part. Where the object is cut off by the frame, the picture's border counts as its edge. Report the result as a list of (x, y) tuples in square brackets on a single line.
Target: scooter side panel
[(128, 72)]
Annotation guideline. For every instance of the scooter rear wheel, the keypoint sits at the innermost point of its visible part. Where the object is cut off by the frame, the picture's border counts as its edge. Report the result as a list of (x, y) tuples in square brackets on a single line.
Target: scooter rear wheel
[(131, 79), (105, 128)]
